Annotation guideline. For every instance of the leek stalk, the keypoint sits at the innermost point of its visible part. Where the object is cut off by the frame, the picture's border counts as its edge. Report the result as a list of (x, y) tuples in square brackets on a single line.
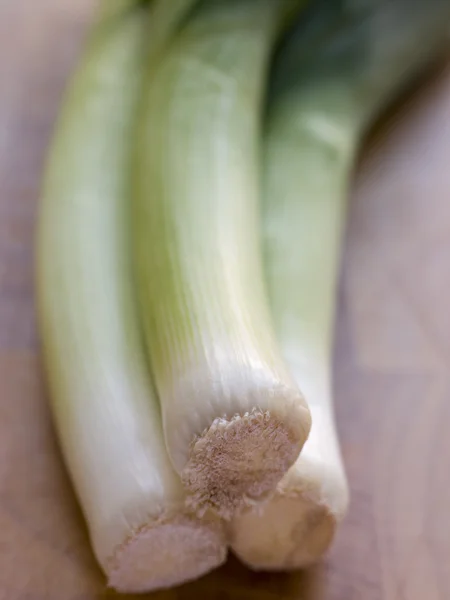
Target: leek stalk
[(322, 102), (233, 418), (104, 406)]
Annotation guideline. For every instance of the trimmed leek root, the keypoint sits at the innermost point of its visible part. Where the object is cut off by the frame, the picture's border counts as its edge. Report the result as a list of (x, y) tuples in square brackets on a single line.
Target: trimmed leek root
[(234, 421), (103, 402), (319, 111)]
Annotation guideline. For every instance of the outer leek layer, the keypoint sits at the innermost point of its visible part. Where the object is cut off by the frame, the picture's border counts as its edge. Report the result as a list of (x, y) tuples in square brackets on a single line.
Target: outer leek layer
[(104, 407), (320, 105), (234, 420)]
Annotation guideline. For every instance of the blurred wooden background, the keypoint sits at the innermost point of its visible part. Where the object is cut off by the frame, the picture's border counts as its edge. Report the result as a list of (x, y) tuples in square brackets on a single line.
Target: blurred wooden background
[(391, 367)]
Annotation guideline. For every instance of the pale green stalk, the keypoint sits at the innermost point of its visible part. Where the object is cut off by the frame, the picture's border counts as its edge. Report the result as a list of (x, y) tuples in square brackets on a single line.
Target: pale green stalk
[(116, 8), (233, 419), (104, 407), (322, 102)]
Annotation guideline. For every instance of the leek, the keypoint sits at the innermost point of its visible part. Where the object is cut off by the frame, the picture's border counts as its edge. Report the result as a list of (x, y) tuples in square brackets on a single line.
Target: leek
[(103, 403), (233, 418), (321, 103)]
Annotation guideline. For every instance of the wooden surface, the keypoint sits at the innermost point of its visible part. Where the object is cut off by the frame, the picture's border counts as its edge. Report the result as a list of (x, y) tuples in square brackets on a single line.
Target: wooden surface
[(392, 354)]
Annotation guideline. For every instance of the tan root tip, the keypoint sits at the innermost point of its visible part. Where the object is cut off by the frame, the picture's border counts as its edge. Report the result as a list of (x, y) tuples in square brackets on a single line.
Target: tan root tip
[(290, 533), (165, 555), (238, 461)]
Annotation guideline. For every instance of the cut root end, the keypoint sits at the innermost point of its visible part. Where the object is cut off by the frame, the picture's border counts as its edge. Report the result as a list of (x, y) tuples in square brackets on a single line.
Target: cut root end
[(289, 532), (171, 552), (238, 462)]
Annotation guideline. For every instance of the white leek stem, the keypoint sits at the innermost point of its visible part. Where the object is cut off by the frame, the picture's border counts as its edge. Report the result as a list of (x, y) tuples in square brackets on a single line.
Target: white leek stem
[(319, 111), (234, 420), (307, 162), (104, 406)]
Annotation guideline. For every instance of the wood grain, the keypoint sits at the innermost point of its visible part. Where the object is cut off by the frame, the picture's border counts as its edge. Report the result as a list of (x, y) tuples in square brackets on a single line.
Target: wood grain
[(392, 352)]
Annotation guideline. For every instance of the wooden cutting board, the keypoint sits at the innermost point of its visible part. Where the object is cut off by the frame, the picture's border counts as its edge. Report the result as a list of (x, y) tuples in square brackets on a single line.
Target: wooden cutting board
[(391, 361)]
